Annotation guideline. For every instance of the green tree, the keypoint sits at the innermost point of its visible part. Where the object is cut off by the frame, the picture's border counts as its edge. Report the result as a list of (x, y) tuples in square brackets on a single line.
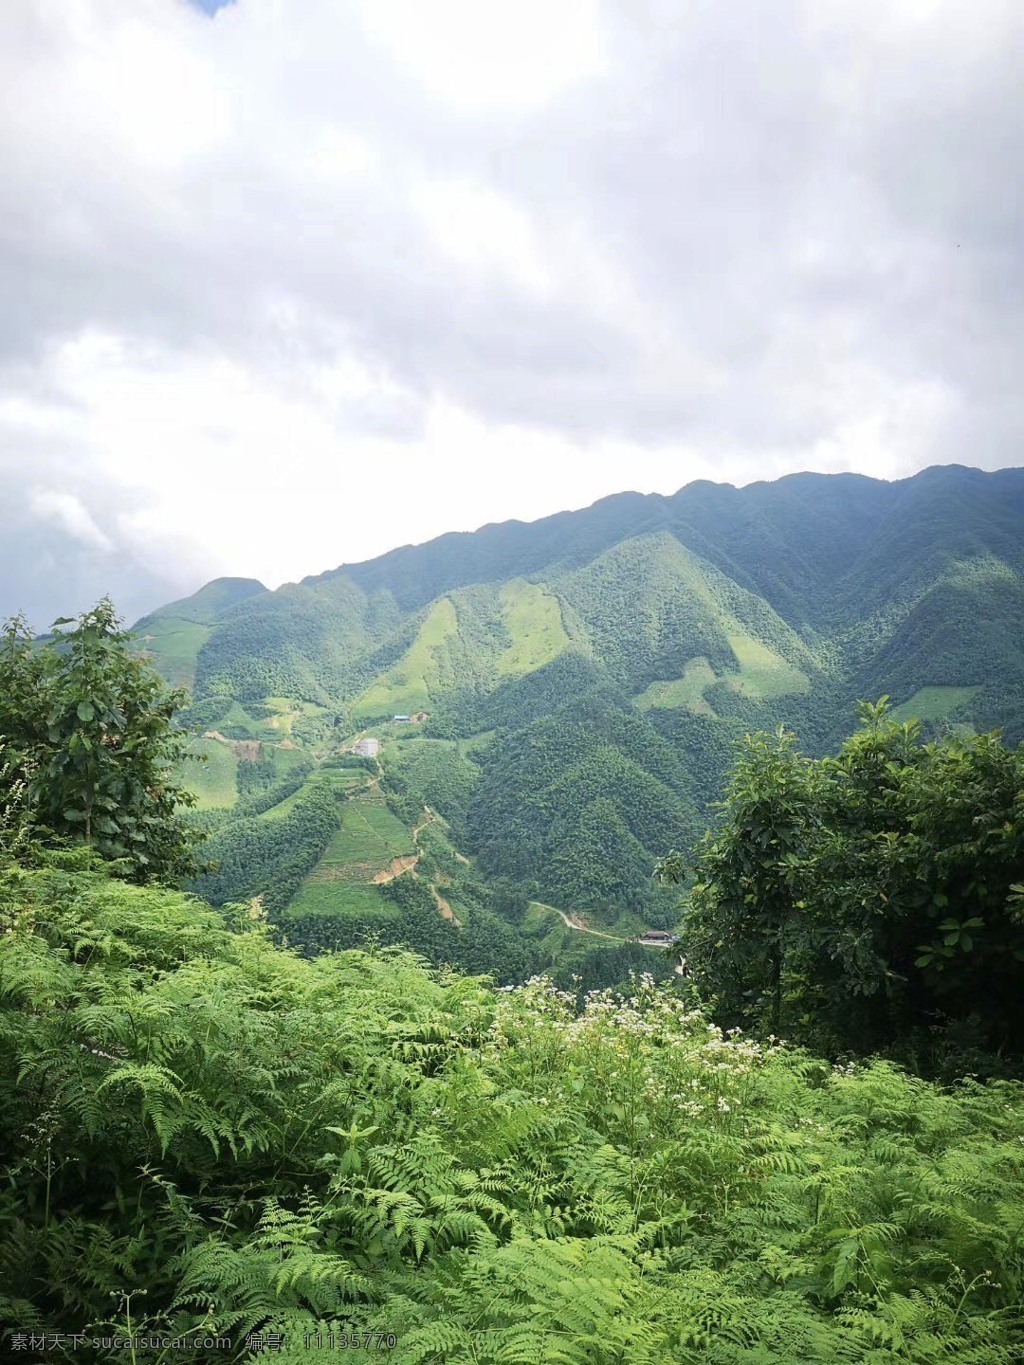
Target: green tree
[(859, 900), (90, 745)]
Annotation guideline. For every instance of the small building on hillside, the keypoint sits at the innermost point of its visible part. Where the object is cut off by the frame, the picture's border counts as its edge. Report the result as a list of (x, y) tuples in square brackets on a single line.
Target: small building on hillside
[(367, 748), (657, 938), (401, 720)]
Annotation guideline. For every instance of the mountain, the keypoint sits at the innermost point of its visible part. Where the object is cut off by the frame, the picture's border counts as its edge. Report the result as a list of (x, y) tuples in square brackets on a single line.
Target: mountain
[(576, 685), (173, 635)]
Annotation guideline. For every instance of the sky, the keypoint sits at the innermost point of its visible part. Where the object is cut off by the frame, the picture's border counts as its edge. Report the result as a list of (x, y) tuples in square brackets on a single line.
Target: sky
[(288, 283)]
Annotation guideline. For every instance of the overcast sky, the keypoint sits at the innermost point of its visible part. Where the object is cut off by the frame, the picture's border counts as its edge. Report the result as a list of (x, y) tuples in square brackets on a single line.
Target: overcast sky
[(287, 283)]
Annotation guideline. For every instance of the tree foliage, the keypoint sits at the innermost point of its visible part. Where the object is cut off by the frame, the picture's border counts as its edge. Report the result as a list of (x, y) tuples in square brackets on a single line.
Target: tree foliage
[(859, 900), (88, 736)]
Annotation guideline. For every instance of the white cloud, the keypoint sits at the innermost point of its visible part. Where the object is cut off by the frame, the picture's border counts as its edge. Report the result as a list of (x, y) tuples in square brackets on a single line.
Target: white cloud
[(316, 278), (70, 514), (483, 58)]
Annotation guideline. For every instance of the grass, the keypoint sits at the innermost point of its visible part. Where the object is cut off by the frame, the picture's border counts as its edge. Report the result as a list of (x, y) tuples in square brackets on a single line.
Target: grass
[(406, 688), (540, 917), (340, 779), (762, 672), (213, 781), (368, 839), (342, 899), (533, 619), (285, 712), (285, 759), (237, 715), (173, 646), (932, 703), (686, 691)]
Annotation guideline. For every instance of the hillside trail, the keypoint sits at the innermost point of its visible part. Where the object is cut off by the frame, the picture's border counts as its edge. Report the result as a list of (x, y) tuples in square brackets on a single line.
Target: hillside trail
[(443, 908), (573, 921), (429, 819)]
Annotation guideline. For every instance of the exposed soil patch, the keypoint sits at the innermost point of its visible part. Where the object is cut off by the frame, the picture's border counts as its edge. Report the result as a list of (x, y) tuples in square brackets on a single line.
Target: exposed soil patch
[(395, 868), (444, 909), (245, 750)]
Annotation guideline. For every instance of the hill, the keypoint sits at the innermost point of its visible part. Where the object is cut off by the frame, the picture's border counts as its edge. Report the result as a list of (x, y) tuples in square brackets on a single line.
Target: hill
[(575, 686)]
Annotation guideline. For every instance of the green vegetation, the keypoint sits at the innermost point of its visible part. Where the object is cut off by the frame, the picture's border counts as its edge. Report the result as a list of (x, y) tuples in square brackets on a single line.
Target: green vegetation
[(341, 898), (211, 775), (351, 1143), (533, 620), (172, 646), (434, 773), (593, 672), (409, 686), (269, 858), (934, 703), (762, 672), (685, 691), (369, 838), (88, 751), (868, 901), (204, 1132)]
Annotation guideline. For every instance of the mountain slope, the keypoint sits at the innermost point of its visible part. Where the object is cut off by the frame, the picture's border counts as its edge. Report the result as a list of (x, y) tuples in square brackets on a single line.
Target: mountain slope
[(589, 672)]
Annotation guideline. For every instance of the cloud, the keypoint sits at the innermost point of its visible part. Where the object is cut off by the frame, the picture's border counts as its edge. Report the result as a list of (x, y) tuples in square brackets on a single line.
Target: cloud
[(68, 512), (288, 284)]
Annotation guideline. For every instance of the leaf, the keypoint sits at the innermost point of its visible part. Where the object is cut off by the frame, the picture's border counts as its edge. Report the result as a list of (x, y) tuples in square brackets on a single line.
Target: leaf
[(86, 711), (75, 816)]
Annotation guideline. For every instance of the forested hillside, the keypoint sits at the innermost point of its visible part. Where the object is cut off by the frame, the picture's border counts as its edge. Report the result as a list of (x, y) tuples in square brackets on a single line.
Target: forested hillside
[(574, 688), (211, 1143)]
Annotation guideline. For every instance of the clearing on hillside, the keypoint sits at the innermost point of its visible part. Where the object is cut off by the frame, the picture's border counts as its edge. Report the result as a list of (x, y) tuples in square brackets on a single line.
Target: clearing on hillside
[(406, 688), (172, 646), (762, 673), (933, 703), (686, 691), (369, 843), (213, 781), (533, 618)]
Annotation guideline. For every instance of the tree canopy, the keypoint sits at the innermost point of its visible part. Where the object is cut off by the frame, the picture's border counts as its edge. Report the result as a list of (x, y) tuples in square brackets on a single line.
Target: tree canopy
[(869, 898), (90, 752)]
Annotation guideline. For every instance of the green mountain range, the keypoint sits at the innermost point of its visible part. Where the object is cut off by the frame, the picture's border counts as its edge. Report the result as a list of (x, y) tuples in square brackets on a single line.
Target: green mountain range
[(574, 687)]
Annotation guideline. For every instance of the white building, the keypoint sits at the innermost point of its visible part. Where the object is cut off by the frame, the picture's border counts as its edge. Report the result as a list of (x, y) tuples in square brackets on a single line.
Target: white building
[(368, 748)]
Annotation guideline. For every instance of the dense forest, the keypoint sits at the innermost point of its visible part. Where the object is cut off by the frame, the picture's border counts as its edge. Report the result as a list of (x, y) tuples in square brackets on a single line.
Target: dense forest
[(217, 1142)]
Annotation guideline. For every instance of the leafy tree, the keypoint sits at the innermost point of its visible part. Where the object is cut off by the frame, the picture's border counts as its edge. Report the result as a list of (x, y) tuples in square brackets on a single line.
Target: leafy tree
[(89, 741), (858, 901)]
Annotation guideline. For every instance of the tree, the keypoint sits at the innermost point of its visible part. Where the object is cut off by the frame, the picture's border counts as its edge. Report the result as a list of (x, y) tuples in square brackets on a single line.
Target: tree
[(857, 900), (90, 745)]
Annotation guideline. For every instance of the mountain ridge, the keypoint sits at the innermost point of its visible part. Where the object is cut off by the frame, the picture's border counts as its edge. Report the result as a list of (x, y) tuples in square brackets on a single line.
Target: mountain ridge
[(578, 682)]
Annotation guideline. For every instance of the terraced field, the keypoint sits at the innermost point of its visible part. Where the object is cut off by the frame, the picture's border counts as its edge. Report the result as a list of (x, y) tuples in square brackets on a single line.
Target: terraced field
[(364, 848)]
